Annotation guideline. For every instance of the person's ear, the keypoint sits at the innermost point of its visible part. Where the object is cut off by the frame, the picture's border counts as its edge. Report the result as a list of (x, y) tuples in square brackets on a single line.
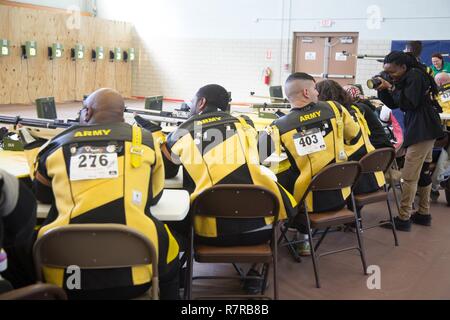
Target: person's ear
[(201, 105), (306, 93), (88, 115)]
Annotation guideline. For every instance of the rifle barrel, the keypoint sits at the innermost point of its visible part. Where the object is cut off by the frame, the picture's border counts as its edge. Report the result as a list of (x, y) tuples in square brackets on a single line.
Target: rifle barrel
[(37, 123)]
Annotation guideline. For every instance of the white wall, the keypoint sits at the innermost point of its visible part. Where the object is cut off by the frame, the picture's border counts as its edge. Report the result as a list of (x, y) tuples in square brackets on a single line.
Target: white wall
[(236, 19), (183, 44)]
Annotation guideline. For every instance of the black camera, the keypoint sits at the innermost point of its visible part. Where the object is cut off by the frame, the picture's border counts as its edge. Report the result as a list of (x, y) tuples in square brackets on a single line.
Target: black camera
[(375, 82)]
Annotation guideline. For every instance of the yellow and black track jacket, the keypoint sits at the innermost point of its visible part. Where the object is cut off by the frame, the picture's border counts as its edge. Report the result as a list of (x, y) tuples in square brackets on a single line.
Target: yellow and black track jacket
[(342, 137), (367, 182), (216, 148), (123, 199), (444, 99)]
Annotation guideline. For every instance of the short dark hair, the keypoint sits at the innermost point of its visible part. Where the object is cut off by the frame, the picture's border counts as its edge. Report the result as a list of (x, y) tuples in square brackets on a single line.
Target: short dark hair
[(216, 96), (438, 55), (415, 47), (300, 76)]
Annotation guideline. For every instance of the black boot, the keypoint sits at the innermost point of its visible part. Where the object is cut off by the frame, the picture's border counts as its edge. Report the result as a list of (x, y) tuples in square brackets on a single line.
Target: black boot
[(400, 225), (423, 220)]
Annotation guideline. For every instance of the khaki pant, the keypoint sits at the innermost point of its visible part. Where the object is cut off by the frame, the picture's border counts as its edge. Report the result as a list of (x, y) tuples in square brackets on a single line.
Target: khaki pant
[(416, 156)]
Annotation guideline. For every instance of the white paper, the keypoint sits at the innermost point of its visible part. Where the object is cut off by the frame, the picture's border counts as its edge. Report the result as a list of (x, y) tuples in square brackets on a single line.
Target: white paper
[(309, 143), (92, 166), (310, 56), (340, 56)]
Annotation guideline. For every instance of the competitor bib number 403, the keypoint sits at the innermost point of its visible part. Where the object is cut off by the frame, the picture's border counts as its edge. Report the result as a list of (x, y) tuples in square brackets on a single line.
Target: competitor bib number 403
[(309, 142), (90, 163)]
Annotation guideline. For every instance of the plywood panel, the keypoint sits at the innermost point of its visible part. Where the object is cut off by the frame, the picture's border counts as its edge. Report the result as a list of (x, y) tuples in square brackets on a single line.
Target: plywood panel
[(22, 81)]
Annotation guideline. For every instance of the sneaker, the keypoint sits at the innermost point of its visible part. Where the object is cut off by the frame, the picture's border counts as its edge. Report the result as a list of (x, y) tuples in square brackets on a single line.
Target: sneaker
[(304, 249), (400, 225), (253, 286), (423, 220)]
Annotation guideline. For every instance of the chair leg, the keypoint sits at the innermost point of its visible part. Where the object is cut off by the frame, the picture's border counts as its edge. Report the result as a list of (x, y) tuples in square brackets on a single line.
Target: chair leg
[(284, 230), (394, 191), (361, 246), (188, 281), (190, 270), (290, 246), (314, 258), (275, 265), (394, 230), (265, 274), (239, 270), (275, 276), (321, 238)]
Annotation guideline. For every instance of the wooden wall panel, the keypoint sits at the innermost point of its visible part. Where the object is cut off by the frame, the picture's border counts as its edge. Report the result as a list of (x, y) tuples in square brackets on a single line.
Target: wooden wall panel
[(22, 81)]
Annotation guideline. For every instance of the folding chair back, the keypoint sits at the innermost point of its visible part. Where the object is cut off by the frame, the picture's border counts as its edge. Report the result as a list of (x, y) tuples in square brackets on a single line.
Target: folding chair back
[(378, 161), (96, 246), (236, 202), (335, 177)]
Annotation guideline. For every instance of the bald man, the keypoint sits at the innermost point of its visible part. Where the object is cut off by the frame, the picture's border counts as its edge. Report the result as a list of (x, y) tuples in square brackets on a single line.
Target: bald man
[(313, 135), (105, 171), (443, 81), (103, 106)]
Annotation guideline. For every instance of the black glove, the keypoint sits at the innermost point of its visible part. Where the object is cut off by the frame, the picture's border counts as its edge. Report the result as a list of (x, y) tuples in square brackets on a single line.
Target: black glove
[(147, 125)]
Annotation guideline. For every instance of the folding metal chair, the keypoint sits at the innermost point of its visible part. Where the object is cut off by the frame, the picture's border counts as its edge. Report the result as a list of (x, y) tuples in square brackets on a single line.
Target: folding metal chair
[(235, 202), (333, 177), (380, 160)]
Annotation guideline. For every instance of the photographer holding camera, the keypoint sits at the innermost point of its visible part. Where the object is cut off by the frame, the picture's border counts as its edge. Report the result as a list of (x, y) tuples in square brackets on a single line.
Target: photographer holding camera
[(410, 88)]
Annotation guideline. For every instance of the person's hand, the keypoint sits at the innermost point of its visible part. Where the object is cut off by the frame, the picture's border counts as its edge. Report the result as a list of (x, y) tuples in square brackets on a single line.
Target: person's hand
[(384, 85)]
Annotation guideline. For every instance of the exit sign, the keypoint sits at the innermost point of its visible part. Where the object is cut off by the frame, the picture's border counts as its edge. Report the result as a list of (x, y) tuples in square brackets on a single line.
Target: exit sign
[(326, 23)]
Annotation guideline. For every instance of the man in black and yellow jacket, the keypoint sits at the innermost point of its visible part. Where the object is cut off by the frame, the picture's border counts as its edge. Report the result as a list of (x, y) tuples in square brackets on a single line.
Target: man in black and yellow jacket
[(216, 148), (443, 82), (106, 171), (313, 135)]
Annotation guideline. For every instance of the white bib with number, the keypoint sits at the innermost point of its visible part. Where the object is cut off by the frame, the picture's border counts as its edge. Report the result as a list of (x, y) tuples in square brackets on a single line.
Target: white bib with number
[(309, 142), (90, 163)]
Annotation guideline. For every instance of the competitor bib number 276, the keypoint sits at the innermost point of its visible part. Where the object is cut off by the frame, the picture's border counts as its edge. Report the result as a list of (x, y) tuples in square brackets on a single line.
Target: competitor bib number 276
[(90, 163), (309, 142)]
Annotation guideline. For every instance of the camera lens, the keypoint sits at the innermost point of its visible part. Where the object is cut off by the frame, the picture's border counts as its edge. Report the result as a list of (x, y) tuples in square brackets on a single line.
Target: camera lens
[(373, 83)]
